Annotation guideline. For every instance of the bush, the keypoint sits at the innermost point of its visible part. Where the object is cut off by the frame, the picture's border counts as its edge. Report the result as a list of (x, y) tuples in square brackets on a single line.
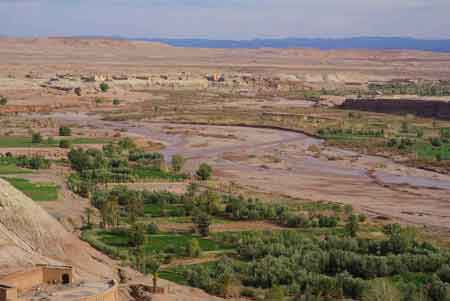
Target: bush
[(436, 142), (352, 225), (3, 101), (328, 221), (36, 138), (204, 172), (65, 144), (152, 228), (444, 273), (382, 290), (35, 162), (104, 87), (193, 248), (116, 101), (177, 163), (248, 293), (65, 131)]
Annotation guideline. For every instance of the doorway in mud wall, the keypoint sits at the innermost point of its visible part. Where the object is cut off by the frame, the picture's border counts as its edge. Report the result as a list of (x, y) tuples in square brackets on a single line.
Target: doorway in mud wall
[(65, 279)]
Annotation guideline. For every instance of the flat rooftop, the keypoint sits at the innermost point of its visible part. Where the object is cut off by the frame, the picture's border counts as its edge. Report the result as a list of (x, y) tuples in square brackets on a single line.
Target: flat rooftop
[(72, 292)]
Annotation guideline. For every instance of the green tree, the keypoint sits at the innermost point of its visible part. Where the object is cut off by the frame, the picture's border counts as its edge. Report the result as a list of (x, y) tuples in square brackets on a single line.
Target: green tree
[(127, 144), (65, 143), (65, 131), (110, 212), (204, 172), (275, 294), (382, 290), (208, 201), (88, 212), (104, 87), (177, 163), (202, 221), (139, 257), (352, 225), (137, 235), (193, 248), (437, 290), (36, 138), (154, 265), (134, 207)]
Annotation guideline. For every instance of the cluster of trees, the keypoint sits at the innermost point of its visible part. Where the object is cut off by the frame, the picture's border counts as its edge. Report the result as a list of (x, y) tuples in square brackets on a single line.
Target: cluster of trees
[(34, 162), (118, 163), (350, 132), (333, 268), (219, 279), (239, 208), (400, 143), (425, 88)]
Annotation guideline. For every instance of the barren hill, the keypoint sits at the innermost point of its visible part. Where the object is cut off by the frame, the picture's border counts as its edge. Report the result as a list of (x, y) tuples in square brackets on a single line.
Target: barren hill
[(29, 235), (19, 56)]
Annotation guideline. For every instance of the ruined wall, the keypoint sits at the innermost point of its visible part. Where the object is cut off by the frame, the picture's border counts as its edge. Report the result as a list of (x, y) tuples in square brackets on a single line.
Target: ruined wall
[(112, 294), (422, 108), (8, 293), (24, 280), (54, 275)]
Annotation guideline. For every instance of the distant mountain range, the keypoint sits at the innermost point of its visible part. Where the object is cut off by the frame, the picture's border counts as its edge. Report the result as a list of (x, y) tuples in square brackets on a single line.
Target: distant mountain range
[(382, 43)]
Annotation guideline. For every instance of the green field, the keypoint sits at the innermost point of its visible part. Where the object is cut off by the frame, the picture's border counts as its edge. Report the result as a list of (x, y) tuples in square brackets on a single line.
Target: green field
[(159, 243), (176, 274), (155, 173), (39, 192), (430, 152), (11, 169), (10, 141)]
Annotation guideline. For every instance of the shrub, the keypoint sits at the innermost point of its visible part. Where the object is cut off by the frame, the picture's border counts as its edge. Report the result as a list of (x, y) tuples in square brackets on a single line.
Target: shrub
[(248, 293), (444, 273), (35, 162), (116, 101), (152, 228), (65, 143), (382, 290), (104, 87), (65, 131), (436, 142), (204, 172), (177, 163), (3, 101), (352, 225), (36, 138), (328, 221), (193, 248), (127, 144)]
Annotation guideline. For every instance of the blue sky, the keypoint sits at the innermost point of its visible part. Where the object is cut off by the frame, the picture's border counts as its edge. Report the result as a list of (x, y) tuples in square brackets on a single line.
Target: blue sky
[(226, 19)]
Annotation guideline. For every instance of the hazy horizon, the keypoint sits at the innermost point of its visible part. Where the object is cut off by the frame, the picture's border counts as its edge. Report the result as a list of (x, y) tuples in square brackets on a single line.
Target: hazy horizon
[(218, 20)]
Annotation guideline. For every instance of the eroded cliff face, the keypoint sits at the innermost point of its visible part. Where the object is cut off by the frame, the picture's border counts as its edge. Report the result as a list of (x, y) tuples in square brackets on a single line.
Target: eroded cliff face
[(422, 108), (29, 236)]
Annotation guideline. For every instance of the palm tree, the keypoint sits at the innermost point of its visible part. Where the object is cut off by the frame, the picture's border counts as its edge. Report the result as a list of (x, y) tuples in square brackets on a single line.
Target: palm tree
[(154, 265), (88, 212)]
